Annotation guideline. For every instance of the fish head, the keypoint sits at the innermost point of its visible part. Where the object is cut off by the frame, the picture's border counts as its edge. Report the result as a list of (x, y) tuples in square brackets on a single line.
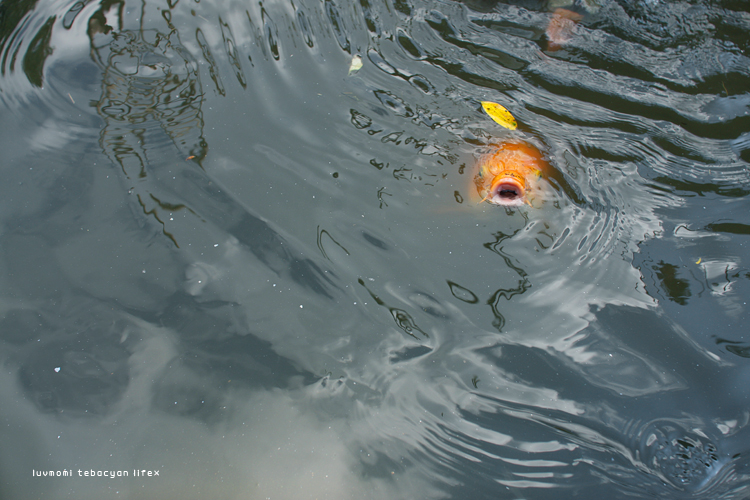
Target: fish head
[(508, 175)]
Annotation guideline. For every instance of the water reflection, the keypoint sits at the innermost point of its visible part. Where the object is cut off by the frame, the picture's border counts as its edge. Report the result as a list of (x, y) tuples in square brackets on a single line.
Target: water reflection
[(150, 86), (313, 307)]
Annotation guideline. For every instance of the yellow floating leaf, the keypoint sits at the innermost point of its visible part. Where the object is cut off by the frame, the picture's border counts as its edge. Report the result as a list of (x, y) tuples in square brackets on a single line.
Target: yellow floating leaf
[(500, 114), (699, 260)]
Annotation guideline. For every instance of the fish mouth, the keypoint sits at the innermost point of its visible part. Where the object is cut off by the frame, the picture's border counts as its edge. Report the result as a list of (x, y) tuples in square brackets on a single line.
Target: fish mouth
[(507, 191)]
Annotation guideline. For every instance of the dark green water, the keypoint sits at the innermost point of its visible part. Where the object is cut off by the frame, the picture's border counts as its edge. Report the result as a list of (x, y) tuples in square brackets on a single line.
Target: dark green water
[(228, 258)]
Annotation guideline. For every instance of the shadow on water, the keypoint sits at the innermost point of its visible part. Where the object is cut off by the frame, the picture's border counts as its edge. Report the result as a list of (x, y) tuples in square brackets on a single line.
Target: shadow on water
[(232, 254)]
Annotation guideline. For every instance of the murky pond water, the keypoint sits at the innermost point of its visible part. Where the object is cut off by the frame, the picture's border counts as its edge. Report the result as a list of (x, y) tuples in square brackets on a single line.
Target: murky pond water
[(234, 258)]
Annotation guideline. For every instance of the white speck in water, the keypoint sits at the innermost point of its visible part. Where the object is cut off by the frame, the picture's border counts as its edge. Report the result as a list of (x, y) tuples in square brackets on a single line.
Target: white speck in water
[(57, 369), (216, 245)]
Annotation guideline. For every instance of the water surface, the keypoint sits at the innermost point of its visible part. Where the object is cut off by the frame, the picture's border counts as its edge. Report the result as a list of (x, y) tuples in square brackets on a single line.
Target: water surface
[(229, 257)]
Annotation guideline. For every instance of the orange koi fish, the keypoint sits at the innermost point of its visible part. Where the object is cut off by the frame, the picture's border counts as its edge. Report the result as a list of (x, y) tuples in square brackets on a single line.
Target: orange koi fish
[(507, 175)]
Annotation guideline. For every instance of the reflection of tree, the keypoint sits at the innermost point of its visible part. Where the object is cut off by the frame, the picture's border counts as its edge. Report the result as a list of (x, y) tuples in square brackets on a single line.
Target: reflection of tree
[(741, 349), (403, 319), (677, 289), (523, 282), (13, 16), (151, 93), (39, 50)]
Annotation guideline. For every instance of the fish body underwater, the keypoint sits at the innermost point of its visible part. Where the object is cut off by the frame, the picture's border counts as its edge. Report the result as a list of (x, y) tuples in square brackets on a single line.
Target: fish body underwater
[(560, 29), (507, 175), (565, 15)]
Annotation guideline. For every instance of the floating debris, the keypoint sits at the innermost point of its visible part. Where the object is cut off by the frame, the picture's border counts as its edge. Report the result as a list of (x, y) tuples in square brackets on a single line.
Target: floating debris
[(501, 115), (356, 64)]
